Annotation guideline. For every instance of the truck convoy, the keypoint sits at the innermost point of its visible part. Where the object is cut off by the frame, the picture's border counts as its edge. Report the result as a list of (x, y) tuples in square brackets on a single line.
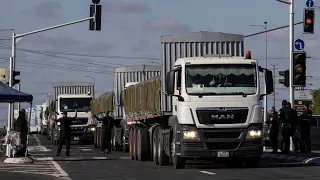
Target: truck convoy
[(68, 97), (206, 104)]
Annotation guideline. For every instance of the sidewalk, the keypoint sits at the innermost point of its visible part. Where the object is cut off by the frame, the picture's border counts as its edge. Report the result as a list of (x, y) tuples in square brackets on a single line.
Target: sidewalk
[(307, 158)]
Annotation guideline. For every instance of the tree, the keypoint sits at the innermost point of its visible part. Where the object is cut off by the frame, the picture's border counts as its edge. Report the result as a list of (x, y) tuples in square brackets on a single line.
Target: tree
[(316, 101)]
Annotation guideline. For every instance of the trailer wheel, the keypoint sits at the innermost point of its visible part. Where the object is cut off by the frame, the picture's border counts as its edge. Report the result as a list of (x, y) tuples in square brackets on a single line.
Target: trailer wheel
[(155, 145), (131, 143), (135, 132), (143, 144), (163, 158), (114, 143)]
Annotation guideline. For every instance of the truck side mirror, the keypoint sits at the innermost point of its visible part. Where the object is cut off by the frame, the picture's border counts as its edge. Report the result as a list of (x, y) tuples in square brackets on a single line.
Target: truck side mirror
[(170, 82), (269, 81)]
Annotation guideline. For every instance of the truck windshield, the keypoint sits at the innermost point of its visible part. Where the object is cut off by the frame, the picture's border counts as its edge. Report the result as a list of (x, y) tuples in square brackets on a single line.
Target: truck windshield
[(218, 79), (71, 104)]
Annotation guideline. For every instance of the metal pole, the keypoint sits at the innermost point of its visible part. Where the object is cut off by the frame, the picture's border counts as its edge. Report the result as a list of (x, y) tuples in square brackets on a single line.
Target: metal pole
[(265, 102), (291, 39), (274, 84), (8, 151)]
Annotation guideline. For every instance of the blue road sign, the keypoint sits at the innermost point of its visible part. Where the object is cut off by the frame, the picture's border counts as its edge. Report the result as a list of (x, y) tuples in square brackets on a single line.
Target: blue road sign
[(299, 44), (309, 3)]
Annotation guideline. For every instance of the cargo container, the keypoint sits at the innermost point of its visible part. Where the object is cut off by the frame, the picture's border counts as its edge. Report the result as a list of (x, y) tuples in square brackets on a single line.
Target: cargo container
[(68, 97), (122, 76), (205, 105)]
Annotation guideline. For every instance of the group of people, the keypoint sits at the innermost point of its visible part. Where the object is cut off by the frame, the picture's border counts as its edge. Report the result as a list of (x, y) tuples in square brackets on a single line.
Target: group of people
[(289, 124), (65, 132)]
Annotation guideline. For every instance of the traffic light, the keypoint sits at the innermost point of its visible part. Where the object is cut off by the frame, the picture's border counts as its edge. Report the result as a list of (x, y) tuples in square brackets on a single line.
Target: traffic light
[(15, 81), (285, 80), (308, 21), (299, 68), (95, 24)]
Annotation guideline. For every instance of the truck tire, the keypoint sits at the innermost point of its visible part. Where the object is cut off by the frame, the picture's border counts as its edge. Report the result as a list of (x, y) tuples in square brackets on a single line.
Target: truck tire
[(178, 162), (155, 145), (163, 158), (114, 142), (253, 162), (143, 144), (134, 142), (131, 143)]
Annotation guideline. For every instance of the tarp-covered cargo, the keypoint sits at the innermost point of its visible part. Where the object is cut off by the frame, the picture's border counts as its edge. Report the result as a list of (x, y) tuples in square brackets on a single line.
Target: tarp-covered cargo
[(143, 99), (102, 104)]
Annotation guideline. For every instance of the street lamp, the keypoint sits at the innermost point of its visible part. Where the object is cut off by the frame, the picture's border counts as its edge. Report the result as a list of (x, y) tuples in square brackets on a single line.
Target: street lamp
[(91, 78), (265, 104)]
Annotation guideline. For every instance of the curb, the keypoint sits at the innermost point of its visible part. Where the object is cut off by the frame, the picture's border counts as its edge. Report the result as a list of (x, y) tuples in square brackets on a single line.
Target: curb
[(306, 160)]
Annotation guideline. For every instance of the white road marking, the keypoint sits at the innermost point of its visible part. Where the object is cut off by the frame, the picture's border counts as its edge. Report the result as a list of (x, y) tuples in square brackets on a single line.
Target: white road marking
[(86, 149), (56, 166), (207, 172), (125, 158), (99, 158)]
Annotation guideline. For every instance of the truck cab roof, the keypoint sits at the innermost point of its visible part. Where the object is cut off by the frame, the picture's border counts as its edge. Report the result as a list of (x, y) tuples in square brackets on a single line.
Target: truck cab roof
[(74, 95), (215, 60)]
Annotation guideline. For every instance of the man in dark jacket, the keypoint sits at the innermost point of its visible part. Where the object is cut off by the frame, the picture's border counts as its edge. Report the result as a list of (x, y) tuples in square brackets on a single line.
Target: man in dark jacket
[(21, 125), (286, 123), (65, 132), (306, 118), (273, 129), (107, 125), (294, 125)]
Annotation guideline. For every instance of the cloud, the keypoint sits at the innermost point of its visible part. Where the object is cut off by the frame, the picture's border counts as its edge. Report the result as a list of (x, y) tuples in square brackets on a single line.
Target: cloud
[(166, 25), (119, 6), (143, 44), (46, 10), (64, 43)]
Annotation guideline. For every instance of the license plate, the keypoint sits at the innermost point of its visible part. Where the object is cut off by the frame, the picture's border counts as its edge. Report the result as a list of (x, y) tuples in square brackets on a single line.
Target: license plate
[(223, 154), (76, 138)]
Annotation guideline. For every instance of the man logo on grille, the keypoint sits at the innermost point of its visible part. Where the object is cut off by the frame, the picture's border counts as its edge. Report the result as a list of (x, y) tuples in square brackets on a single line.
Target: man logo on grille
[(228, 116)]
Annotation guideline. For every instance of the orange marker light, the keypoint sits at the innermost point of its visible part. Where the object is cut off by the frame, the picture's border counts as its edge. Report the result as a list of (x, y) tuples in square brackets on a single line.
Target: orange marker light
[(248, 54)]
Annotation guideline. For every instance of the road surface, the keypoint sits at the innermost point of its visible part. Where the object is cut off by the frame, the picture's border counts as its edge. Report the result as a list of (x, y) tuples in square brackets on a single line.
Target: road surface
[(86, 163)]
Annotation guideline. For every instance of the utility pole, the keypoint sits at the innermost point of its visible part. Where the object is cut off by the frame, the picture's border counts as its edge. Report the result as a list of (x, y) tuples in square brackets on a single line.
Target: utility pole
[(274, 83)]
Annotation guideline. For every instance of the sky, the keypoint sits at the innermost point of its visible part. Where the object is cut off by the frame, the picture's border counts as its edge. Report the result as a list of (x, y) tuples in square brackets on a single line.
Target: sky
[(130, 35)]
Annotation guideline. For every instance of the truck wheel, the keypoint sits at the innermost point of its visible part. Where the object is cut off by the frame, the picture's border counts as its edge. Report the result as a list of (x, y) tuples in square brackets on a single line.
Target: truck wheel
[(155, 145), (253, 162), (163, 159), (134, 140), (178, 162), (131, 143), (115, 145), (143, 144)]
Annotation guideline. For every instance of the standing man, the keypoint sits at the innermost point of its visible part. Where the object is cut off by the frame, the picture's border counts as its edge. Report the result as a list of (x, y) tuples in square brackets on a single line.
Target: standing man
[(306, 118), (107, 125), (273, 129), (286, 124), (65, 132)]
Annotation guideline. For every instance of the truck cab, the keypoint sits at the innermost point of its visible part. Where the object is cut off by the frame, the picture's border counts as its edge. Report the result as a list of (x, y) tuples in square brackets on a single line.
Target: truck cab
[(217, 112), (80, 102)]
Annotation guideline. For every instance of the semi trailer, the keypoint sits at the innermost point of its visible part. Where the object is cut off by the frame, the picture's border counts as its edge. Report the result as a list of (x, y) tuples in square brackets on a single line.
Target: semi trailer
[(68, 97), (113, 101), (205, 105)]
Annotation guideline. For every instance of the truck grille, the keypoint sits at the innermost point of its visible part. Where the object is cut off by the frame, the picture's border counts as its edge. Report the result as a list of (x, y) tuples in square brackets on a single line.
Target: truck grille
[(79, 121), (222, 115), (222, 145)]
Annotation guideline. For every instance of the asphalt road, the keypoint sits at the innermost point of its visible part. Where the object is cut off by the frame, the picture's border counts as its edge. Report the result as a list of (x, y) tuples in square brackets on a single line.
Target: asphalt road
[(86, 163)]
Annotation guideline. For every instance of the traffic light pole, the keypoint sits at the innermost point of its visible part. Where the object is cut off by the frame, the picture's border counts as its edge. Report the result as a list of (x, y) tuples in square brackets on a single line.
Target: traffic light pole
[(15, 39), (291, 45)]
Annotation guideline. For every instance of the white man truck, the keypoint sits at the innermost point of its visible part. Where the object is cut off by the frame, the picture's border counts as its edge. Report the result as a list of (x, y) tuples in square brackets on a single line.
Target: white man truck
[(69, 97), (202, 107)]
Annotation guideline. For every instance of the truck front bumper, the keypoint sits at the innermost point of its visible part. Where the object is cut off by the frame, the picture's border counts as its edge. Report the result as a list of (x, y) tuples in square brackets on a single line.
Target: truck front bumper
[(83, 133), (215, 143)]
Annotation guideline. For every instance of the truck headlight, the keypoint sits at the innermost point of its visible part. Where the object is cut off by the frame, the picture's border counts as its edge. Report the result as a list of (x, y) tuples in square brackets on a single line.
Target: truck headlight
[(92, 129), (254, 134), (190, 135), (58, 129), (58, 123)]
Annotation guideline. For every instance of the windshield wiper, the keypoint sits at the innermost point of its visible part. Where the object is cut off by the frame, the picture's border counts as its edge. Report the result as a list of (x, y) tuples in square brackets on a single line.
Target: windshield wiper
[(235, 93)]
